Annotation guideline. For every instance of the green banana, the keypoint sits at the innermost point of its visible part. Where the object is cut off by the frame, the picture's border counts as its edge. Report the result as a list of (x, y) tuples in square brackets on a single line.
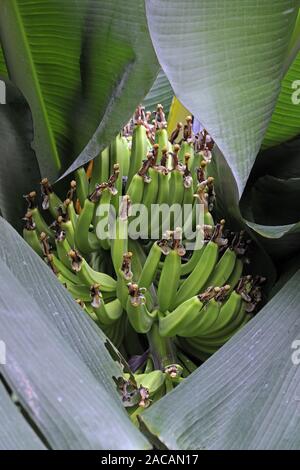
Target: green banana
[(176, 180), (150, 267), (77, 291), (195, 282), (82, 185), (141, 320), (236, 274), (136, 188), (30, 235), (182, 319), (186, 148), (139, 150), (198, 170), (137, 262), (228, 312), (119, 242), (175, 133), (198, 251), (151, 189), (87, 308), (209, 345), (209, 316), (34, 214), (124, 277), (157, 224), (223, 269), (202, 197), (50, 200), (169, 280), (161, 137), (70, 209), (138, 258), (188, 128), (120, 154), (59, 268), (86, 241), (188, 196), (102, 216), (101, 169), (152, 381), (88, 275), (63, 247), (107, 313), (66, 225)]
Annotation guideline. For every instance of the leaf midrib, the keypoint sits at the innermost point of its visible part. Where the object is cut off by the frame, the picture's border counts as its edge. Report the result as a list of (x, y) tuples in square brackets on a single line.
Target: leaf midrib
[(35, 81)]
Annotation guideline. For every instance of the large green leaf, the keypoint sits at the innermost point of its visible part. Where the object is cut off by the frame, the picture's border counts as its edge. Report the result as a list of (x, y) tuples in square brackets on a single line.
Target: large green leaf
[(19, 172), (285, 120), (225, 64), (15, 432), (161, 92), (286, 117), (247, 395), (82, 66), (294, 45), (284, 124), (3, 70), (56, 360)]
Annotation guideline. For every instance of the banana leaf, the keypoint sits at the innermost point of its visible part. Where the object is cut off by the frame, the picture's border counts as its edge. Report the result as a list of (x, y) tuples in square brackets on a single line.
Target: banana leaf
[(3, 70), (294, 45), (284, 124), (161, 92), (15, 432), (285, 120), (225, 64), (244, 397), (19, 168), (82, 78)]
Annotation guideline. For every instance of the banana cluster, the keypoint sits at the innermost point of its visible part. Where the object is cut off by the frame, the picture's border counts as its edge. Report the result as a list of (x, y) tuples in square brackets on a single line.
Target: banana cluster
[(164, 305)]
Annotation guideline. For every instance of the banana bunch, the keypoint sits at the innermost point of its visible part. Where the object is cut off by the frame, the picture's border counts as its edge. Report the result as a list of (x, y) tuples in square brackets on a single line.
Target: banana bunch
[(167, 294)]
